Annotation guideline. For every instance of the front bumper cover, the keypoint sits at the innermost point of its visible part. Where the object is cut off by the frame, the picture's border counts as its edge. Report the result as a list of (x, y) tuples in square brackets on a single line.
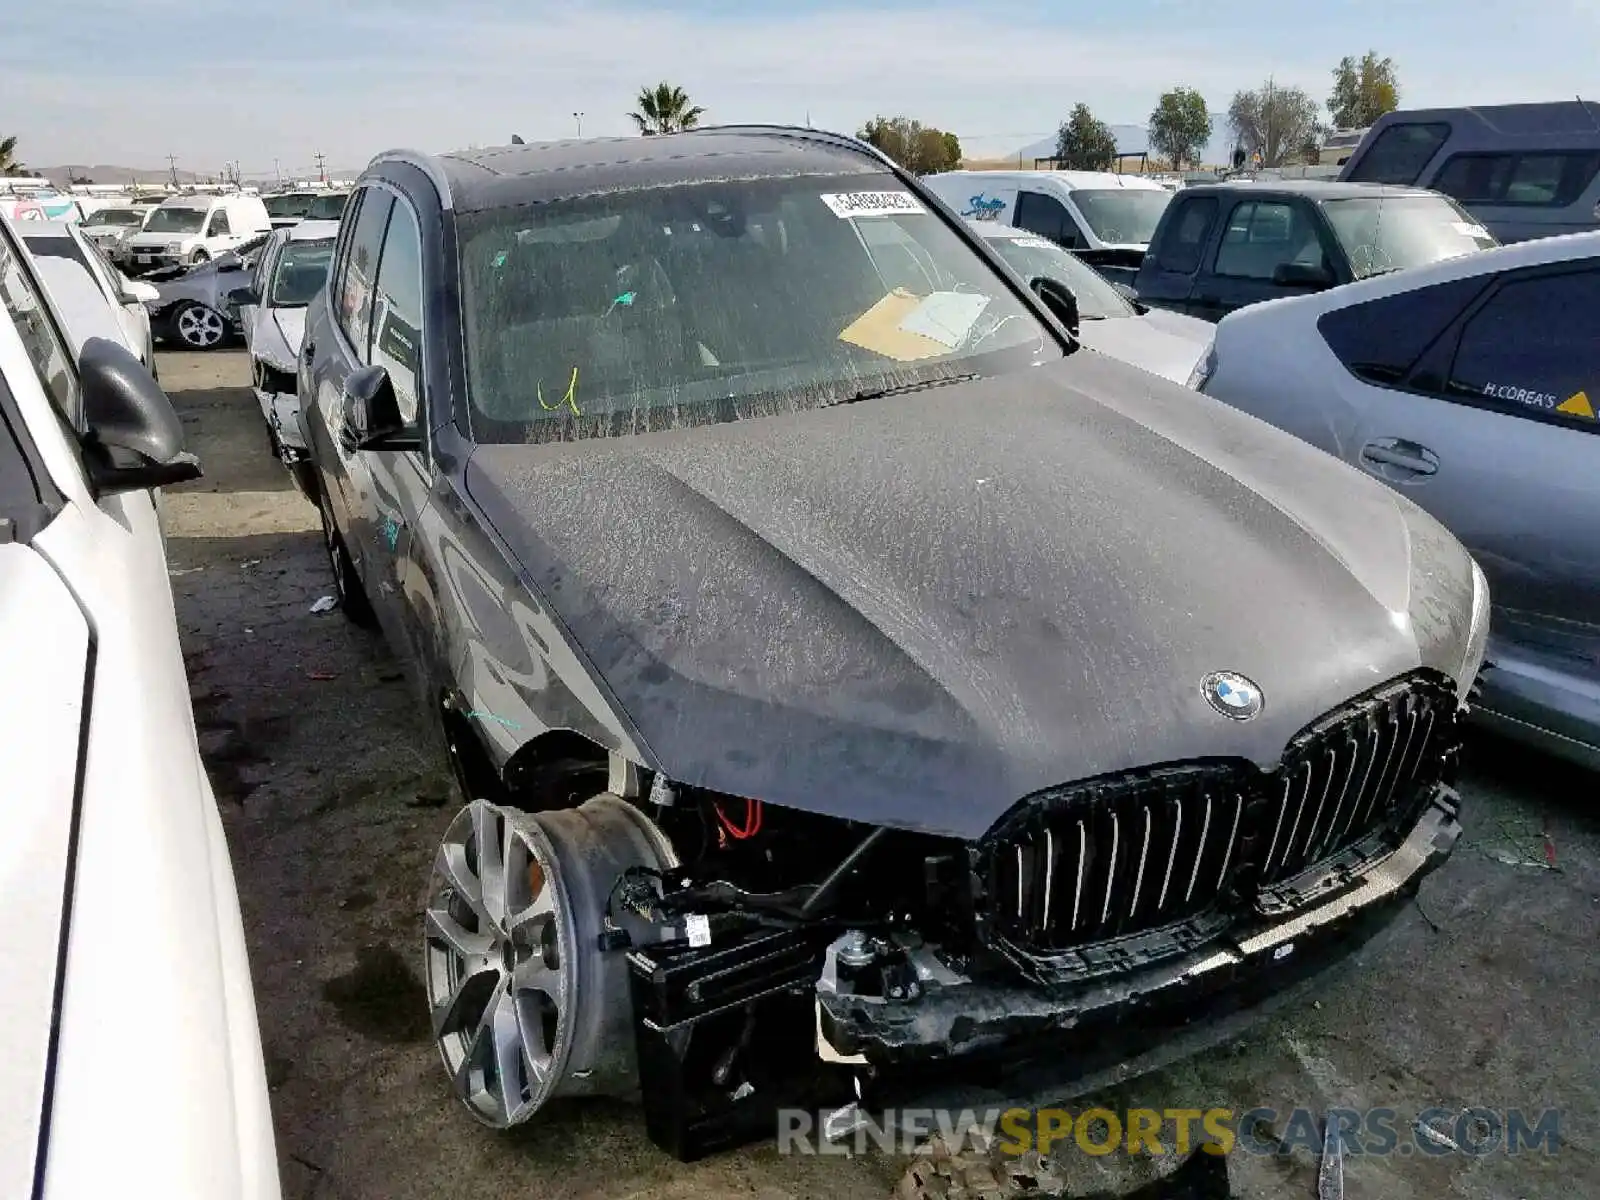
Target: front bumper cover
[(1027, 1046)]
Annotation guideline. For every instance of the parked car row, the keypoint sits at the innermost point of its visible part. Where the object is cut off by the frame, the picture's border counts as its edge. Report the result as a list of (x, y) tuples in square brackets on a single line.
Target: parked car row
[(844, 668)]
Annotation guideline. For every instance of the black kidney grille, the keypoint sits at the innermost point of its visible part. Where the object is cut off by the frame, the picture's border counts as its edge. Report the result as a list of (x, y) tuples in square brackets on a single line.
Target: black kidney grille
[(1106, 858)]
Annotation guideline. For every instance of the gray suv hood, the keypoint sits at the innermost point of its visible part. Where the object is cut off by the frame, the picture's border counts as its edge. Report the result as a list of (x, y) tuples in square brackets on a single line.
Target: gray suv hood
[(915, 610)]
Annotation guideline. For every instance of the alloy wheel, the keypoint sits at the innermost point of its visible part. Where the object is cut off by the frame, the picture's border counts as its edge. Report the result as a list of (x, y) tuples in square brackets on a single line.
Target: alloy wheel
[(525, 1005), (199, 327)]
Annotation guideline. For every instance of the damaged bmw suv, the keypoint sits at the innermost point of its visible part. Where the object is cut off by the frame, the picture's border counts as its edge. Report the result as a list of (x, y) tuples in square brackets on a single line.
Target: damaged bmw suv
[(858, 690)]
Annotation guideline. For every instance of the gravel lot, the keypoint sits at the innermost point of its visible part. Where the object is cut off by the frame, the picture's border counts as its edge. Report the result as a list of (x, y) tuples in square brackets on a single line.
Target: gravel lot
[(1486, 994)]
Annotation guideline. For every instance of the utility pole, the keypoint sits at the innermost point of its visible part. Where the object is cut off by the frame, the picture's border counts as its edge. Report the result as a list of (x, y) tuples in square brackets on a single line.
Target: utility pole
[(578, 117), (322, 171), (277, 172), (172, 165)]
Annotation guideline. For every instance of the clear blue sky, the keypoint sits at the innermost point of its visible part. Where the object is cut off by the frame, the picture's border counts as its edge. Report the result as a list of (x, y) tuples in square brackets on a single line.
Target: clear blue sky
[(131, 81)]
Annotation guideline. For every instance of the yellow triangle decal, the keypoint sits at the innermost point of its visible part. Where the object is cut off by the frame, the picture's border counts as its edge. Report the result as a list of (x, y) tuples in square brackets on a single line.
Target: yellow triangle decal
[(1577, 405)]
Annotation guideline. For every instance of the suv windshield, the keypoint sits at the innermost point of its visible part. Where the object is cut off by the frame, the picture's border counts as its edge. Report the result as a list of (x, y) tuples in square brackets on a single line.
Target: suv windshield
[(1123, 216), (302, 269), (327, 207), (176, 220), (292, 205), (117, 216), (1388, 233), (1030, 256), (717, 301)]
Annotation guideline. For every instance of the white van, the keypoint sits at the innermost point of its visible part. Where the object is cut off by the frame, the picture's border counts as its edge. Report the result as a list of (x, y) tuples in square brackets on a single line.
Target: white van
[(193, 229), (1106, 219)]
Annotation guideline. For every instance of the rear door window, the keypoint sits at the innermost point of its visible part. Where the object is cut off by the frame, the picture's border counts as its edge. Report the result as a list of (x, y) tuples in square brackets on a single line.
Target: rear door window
[(1381, 340), (1529, 350), (1187, 231), (1048, 217), (1542, 180), (1399, 153)]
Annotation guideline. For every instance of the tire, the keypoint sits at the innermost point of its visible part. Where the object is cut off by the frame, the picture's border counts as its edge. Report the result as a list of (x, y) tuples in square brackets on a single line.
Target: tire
[(347, 588), (198, 257), (197, 327)]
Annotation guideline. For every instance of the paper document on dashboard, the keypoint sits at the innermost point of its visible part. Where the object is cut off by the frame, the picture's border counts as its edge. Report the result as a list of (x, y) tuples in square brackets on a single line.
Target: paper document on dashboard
[(946, 317)]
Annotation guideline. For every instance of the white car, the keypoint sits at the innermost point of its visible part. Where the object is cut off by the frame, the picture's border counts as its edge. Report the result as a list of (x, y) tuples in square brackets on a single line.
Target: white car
[(293, 268), (132, 1053), (108, 227), (1472, 387), (1164, 343), (63, 251)]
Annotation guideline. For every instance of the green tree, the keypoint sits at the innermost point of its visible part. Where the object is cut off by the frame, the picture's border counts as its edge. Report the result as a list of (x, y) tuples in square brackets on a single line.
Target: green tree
[(1363, 90), (1273, 121), (664, 109), (8, 157), (1085, 143), (952, 150), (1180, 127), (920, 149)]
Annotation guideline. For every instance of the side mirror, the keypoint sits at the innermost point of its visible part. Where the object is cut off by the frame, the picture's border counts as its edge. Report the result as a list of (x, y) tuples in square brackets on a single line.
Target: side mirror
[(243, 296), (1296, 274), (134, 439), (1058, 298), (371, 414), (135, 291)]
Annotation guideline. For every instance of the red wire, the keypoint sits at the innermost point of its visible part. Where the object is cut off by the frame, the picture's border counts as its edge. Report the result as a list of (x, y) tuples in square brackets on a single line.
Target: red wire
[(752, 820)]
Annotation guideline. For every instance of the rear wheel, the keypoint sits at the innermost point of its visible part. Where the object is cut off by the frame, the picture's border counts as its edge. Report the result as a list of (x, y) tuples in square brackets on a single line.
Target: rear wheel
[(346, 586)]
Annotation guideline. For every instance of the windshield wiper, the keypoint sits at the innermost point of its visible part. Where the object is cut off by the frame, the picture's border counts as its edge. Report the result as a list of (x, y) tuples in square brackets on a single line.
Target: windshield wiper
[(898, 389)]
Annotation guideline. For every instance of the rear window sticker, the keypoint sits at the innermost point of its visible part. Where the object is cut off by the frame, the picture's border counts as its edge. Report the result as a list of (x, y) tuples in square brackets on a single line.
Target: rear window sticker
[(1577, 405), (1528, 397), (872, 204)]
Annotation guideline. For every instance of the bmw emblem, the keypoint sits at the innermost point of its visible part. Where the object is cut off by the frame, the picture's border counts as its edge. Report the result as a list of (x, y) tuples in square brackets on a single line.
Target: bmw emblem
[(1232, 695)]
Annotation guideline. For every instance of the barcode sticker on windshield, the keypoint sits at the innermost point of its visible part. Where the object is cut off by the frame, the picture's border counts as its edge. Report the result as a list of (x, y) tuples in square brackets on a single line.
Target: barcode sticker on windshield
[(1033, 243), (872, 204), (1468, 229)]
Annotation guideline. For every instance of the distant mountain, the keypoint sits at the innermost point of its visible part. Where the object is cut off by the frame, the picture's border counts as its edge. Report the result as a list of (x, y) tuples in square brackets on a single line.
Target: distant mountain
[(1131, 139)]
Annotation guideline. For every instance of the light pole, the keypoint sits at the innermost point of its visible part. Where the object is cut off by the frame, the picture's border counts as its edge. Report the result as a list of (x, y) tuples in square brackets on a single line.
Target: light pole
[(578, 117)]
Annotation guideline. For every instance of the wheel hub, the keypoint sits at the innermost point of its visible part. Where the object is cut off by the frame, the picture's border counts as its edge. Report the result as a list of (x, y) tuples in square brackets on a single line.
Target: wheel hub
[(525, 1005)]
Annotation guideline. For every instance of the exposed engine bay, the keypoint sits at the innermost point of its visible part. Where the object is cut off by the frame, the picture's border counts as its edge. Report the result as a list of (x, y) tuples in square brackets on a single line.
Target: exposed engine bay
[(724, 958)]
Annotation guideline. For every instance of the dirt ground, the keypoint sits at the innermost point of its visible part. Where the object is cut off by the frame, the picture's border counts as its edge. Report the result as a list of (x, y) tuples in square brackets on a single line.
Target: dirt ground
[(1485, 994)]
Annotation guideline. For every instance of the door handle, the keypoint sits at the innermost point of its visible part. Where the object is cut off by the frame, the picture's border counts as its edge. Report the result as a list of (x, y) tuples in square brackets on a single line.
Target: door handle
[(1397, 452)]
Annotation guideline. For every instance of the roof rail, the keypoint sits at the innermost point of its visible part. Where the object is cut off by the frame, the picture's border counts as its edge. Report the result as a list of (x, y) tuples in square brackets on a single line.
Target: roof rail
[(422, 162), (804, 132)]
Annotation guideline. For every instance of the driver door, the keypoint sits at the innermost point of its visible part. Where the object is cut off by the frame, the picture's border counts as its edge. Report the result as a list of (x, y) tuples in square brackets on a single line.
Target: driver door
[(261, 285), (379, 494)]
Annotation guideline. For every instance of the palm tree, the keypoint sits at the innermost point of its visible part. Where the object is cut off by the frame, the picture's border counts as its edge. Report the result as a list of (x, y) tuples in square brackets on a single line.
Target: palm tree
[(665, 109), (8, 157)]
